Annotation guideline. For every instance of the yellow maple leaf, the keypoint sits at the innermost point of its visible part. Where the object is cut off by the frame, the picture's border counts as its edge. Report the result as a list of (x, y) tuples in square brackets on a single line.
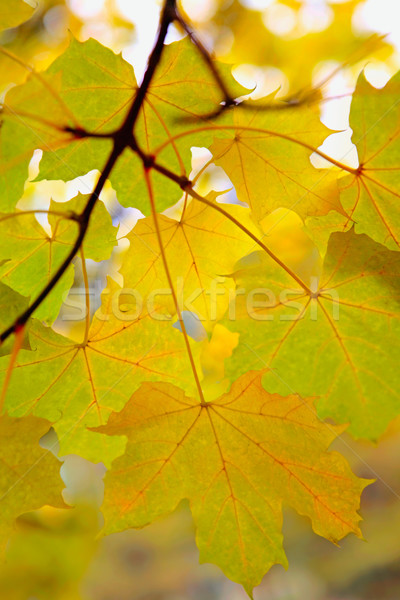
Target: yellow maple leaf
[(237, 459)]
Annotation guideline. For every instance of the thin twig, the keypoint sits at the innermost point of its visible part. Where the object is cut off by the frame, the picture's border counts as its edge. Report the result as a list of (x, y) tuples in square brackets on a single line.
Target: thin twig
[(171, 285)]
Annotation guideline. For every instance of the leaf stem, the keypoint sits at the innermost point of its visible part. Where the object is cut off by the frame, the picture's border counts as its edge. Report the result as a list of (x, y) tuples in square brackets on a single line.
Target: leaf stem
[(283, 136), (19, 337), (228, 100), (170, 283), (187, 186), (71, 216), (219, 208), (87, 298)]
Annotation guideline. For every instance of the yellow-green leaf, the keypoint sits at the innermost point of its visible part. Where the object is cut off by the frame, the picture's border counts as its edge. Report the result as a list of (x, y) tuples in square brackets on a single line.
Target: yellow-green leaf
[(371, 196), (29, 475), (237, 459), (267, 157), (31, 256), (339, 340), (76, 385), (202, 247)]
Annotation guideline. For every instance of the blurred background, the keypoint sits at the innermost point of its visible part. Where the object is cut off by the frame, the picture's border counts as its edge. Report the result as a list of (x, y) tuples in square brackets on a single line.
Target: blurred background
[(293, 48)]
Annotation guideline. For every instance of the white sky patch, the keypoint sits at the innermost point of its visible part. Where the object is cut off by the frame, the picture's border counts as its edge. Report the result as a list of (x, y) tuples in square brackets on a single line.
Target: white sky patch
[(382, 16), (339, 147), (280, 19), (199, 11), (315, 16), (265, 80), (257, 4), (145, 16), (86, 9)]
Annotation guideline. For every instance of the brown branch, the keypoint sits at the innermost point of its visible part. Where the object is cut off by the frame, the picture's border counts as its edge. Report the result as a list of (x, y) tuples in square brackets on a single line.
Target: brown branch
[(122, 139), (227, 100)]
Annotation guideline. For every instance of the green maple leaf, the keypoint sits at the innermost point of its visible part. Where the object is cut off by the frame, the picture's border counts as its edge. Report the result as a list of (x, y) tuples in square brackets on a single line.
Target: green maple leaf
[(237, 459), (31, 256), (339, 342), (96, 97), (29, 475), (371, 195), (77, 385)]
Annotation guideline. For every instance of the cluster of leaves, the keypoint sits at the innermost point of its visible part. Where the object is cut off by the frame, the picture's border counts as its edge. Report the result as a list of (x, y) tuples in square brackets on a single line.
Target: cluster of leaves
[(232, 421)]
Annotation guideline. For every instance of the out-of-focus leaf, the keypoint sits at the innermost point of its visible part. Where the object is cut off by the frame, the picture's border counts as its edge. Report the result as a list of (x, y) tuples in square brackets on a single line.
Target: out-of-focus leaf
[(14, 12), (29, 475)]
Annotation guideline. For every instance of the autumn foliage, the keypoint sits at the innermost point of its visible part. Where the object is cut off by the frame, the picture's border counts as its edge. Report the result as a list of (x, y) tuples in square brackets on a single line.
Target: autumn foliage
[(217, 351)]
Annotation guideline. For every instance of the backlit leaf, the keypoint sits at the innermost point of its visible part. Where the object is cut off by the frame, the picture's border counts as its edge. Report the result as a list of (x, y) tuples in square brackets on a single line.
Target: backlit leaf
[(371, 196), (237, 460), (267, 158), (340, 341), (31, 256), (77, 385), (202, 248)]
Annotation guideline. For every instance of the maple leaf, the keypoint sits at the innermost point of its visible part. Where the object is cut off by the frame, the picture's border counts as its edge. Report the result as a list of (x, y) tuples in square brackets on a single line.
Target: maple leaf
[(96, 98), (31, 256), (267, 157), (29, 474), (76, 385), (327, 331), (41, 113), (237, 459), (202, 247), (371, 195), (339, 340), (100, 238)]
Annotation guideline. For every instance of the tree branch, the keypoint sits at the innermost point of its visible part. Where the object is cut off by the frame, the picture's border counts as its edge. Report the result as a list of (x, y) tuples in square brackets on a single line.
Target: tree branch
[(122, 139)]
